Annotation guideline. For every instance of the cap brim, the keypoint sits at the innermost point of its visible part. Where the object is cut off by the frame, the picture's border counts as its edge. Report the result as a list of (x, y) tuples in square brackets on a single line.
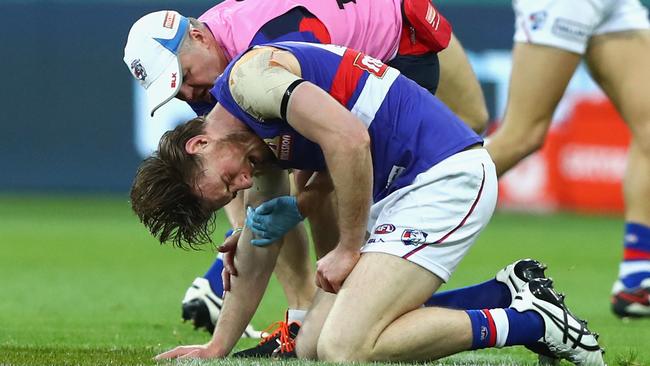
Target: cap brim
[(165, 88)]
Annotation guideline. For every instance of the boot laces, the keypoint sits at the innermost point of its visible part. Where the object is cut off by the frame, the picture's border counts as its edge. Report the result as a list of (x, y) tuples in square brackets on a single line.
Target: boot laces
[(282, 334)]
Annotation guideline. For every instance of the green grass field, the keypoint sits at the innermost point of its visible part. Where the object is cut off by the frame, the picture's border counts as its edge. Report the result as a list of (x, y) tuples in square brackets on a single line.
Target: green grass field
[(83, 283)]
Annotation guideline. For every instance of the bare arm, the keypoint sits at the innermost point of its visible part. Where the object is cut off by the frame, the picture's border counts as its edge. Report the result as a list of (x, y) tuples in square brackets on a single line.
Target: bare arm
[(255, 266), (346, 145), (258, 83)]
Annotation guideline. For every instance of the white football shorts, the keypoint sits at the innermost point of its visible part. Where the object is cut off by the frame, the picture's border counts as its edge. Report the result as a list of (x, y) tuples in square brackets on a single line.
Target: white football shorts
[(568, 24), (434, 221)]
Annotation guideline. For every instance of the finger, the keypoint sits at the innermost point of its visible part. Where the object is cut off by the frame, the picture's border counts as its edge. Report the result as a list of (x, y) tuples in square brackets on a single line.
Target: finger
[(249, 212), (262, 242), (228, 244), (266, 207), (169, 354), (325, 283), (225, 280), (258, 230), (336, 286), (229, 263), (192, 354), (322, 283)]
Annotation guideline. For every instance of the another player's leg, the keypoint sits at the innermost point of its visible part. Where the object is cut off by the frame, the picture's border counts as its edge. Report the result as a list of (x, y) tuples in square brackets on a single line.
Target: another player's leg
[(539, 78), (628, 88), (459, 88)]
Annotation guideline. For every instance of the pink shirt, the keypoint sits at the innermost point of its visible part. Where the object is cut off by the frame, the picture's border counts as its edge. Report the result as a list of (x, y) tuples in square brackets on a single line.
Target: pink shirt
[(371, 26)]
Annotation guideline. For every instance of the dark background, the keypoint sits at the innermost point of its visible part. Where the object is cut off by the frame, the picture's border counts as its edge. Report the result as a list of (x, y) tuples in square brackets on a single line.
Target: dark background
[(66, 118)]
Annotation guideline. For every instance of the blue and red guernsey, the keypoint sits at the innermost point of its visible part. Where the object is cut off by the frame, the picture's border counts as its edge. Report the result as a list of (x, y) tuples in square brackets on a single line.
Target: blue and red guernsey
[(410, 129)]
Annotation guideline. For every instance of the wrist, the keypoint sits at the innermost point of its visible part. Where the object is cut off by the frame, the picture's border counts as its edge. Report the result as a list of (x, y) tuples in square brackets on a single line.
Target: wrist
[(302, 206)]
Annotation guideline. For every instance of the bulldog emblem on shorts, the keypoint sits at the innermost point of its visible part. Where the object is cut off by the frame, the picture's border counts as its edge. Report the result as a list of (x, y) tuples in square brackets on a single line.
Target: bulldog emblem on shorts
[(414, 237), (138, 70)]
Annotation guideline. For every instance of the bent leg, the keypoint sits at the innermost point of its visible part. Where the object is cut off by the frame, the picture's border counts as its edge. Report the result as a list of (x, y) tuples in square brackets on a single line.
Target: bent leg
[(307, 339), (458, 87), (377, 315), (539, 78)]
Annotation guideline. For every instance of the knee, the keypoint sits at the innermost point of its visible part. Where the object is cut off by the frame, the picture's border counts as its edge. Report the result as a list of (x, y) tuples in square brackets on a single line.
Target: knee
[(641, 136), (335, 348), (306, 342), (520, 141), (305, 350)]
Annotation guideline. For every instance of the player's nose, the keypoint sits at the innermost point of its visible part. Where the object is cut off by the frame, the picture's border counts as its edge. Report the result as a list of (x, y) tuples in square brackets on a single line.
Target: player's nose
[(244, 181), (185, 93)]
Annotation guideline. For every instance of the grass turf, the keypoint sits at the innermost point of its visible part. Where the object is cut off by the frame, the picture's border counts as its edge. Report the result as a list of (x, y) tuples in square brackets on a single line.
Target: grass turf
[(83, 283)]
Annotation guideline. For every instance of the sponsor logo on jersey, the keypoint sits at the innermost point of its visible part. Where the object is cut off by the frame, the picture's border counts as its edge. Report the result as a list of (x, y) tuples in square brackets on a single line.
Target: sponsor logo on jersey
[(570, 30), (281, 146), (370, 64), (431, 16), (414, 237), (138, 70), (385, 229), (173, 83), (374, 240), (537, 20), (169, 20)]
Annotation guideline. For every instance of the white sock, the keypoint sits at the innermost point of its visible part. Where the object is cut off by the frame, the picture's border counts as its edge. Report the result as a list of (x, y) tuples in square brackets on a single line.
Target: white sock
[(294, 315)]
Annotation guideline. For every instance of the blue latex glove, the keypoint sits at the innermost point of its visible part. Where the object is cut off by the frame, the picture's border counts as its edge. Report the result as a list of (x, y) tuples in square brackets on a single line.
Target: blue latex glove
[(272, 219)]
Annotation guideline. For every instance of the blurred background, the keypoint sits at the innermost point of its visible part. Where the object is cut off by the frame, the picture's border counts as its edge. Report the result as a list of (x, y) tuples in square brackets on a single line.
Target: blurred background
[(78, 270), (73, 120)]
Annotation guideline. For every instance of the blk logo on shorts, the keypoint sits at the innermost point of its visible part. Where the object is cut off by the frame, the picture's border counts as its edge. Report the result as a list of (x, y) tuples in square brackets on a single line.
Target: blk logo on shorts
[(414, 237), (537, 20), (138, 70)]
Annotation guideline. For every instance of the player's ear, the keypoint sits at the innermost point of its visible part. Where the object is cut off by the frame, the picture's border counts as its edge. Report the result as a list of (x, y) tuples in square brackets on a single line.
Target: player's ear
[(196, 144)]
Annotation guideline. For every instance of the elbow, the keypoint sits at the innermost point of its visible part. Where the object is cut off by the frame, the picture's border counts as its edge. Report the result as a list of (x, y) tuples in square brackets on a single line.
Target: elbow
[(358, 142)]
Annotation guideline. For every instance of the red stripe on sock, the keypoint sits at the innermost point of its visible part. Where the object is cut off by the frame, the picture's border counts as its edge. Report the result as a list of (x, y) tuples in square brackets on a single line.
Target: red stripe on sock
[(493, 328), (634, 254)]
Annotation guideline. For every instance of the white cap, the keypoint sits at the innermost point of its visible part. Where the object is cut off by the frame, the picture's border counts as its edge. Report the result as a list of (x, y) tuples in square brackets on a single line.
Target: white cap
[(151, 53)]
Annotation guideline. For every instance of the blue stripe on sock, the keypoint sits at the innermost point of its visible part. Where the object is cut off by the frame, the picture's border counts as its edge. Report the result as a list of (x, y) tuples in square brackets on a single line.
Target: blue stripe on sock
[(213, 275), (633, 280), (637, 237), (491, 294), (480, 329), (524, 328)]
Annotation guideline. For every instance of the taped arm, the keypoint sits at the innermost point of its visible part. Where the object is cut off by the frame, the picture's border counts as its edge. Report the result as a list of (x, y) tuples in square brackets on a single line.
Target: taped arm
[(260, 79)]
